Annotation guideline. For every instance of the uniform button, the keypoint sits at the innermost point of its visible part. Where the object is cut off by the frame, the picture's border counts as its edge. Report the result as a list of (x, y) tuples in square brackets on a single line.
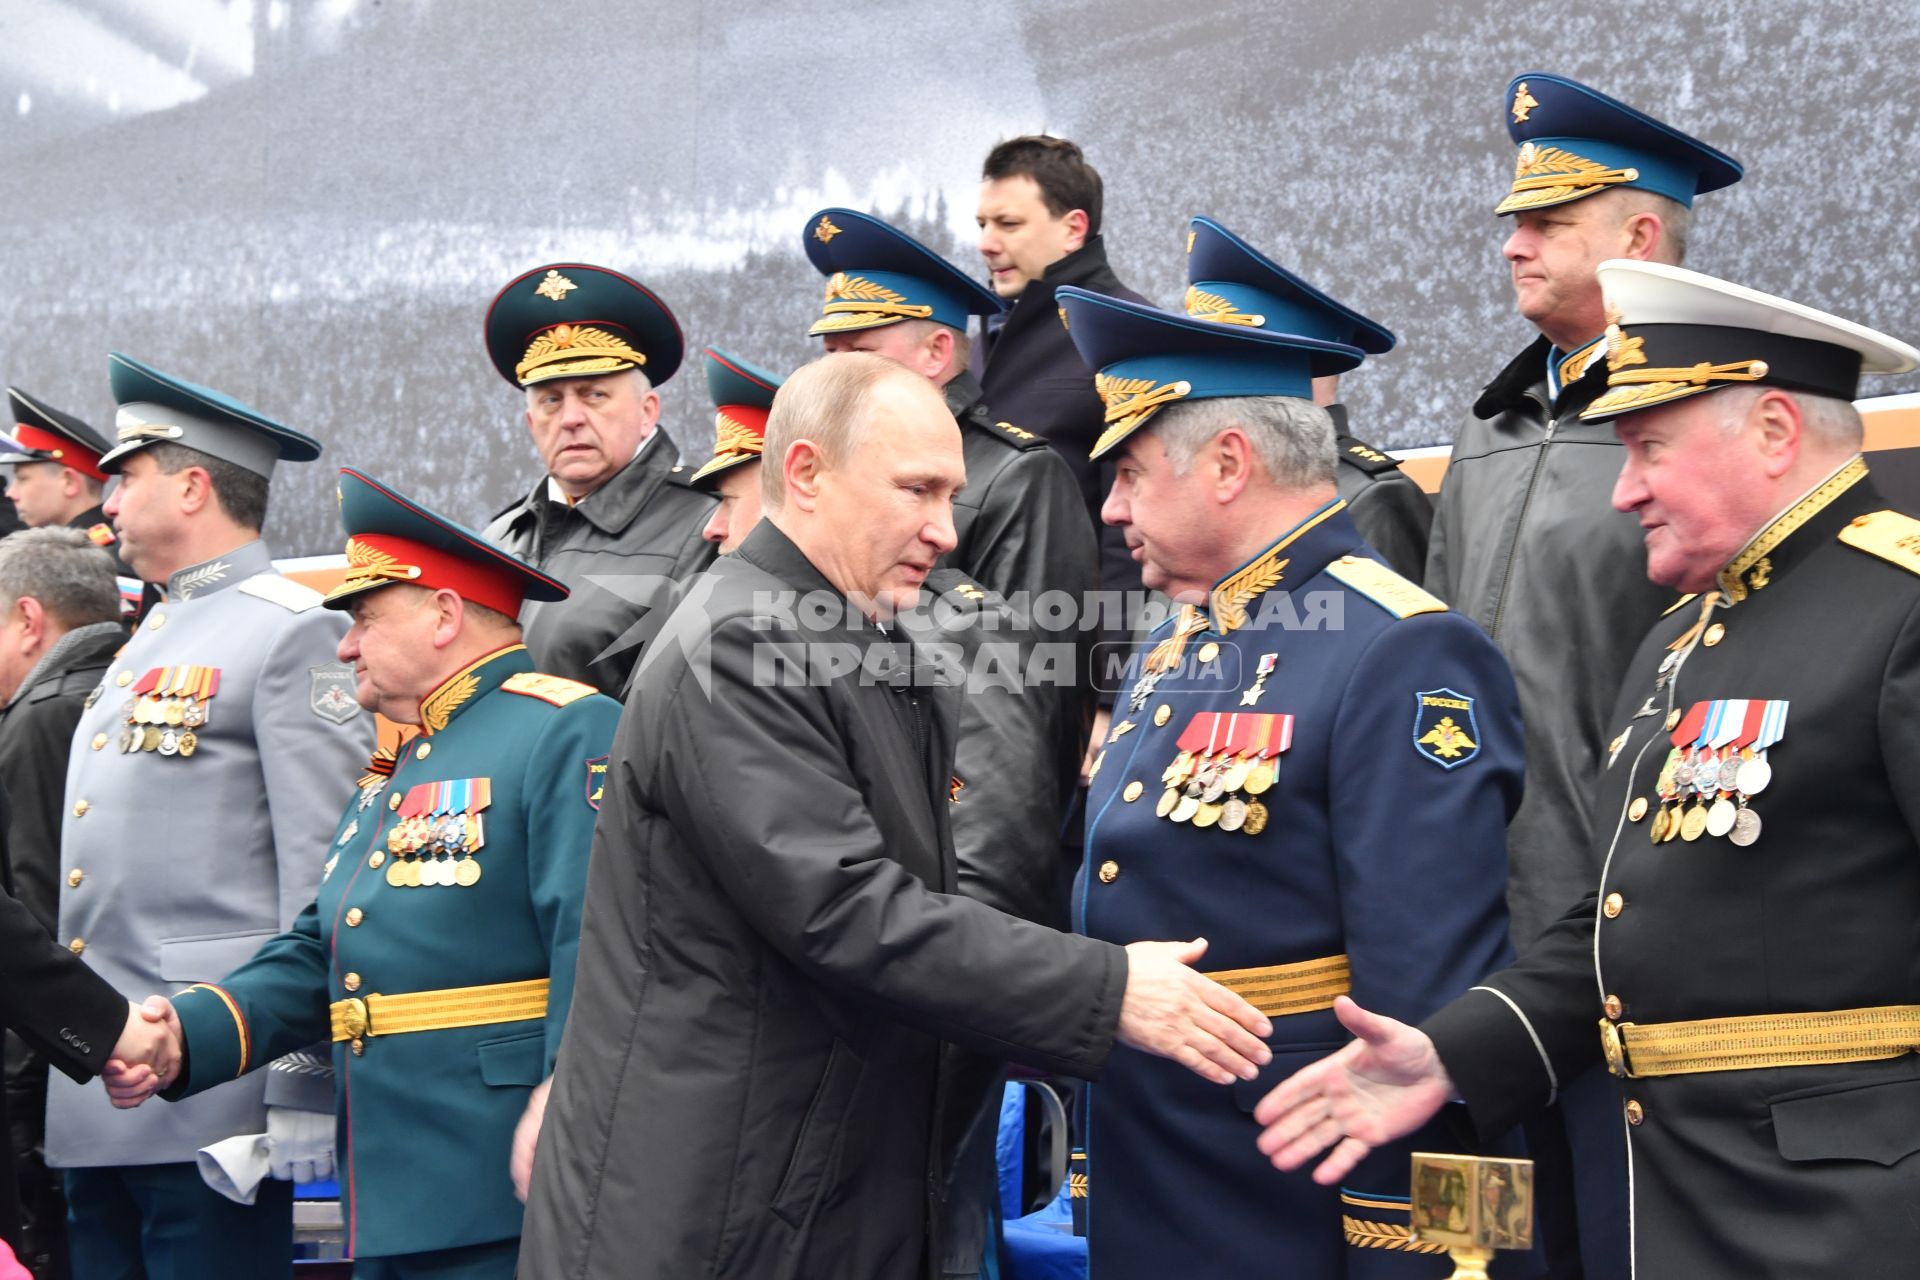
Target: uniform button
[(351, 982), (124, 679), (80, 808), (426, 749), (1613, 906), (354, 916), (1638, 809), (358, 1046), (1635, 1112), (1715, 634), (376, 858), (1209, 651), (1109, 871), (99, 741), (1133, 791), (1162, 714), (74, 877), (77, 945), (1612, 1005), (1673, 717), (393, 801), (156, 622)]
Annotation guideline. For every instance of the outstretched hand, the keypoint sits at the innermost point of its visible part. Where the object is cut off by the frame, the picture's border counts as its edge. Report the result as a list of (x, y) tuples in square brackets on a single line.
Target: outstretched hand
[(1382, 1086), (146, 1058), (1173, 1010)]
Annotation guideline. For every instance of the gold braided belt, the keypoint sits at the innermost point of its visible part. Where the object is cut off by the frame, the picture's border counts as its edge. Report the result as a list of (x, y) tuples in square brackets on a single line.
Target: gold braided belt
[(1764, 1040), (377, 1015), (1279, 989)]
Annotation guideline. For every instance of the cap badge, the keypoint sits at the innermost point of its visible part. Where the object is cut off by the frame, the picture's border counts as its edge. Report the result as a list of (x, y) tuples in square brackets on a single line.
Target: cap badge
[(556, 286), (1523, 103), (825, 231)]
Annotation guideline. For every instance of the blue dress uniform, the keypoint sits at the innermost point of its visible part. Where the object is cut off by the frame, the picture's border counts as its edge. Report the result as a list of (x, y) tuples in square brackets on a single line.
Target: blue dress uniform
[(1231, 282), (1314, 771), (439, 953), (201, 786)]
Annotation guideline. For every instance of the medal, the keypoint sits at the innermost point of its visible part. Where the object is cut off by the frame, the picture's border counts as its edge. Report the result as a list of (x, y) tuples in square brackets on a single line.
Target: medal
[(172, 713), (1259, 685), (150, 739), (194, 714), (1754, 775), (1236, 776), (169, 742), (1233, 814), (1694, 825), (1168, 799), (396, 874), (189, 742), (1658, 831), (1206, 815), (1746, 828), (1256, 818), (353, 829), (466, 873), (1184, 811), (1720, 817)]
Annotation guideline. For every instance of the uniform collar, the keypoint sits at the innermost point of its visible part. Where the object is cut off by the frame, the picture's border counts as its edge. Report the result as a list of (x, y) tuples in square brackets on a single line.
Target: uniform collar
[(1770, 551), (1295, 556), (466, 686), (963, 393), (615, 504), (1565, 368), (221, 572)]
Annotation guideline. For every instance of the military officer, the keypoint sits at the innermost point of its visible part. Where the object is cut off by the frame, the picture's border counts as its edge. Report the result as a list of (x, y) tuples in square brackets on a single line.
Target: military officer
[(440, 949), (612, 517), (742, 396), (201, 789), (1312, 767), (1231, 282), (56, 472), (1751, 931)]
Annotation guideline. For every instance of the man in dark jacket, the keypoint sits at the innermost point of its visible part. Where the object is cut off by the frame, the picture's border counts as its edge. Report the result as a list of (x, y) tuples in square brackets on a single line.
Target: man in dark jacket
[(612, 517), (1748, 948), (1526, 543), (1039, 216), (59, 629), (772, 949)]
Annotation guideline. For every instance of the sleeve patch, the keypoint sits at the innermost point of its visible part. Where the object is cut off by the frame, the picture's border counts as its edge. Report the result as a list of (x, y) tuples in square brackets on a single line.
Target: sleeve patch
[(1384, 587), (1889, 535), (292, 596), (1444, 730), (596, 781), (555, 689)]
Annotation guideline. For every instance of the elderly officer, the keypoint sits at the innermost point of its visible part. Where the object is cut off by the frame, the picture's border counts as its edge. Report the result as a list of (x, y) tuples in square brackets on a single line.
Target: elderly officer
[(1525, 543), (612, 517), (772, 948), (1231, 282), (57, 478), (448, 919), (1752, 929), (200, 796), (1313, 768)]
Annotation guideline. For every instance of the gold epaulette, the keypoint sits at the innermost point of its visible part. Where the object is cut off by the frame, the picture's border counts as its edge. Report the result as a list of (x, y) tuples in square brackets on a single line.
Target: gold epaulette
[(1888, 534), (1691, 595), (1384, 587), (555, 689)]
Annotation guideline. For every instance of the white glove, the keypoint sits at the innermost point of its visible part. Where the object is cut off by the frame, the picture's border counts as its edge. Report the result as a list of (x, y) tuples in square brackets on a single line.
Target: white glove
[(300, 1144)]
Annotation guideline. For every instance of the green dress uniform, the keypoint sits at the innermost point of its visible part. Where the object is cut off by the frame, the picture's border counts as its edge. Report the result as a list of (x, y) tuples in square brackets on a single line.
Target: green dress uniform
[(201, 785), (439, 953)]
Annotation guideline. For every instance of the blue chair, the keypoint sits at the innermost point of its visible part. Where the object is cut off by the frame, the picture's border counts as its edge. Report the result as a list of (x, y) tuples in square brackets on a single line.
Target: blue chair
[(1039, 1245)]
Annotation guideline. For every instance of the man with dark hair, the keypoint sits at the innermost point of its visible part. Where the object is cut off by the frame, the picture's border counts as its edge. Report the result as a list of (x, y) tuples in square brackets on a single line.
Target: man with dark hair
[(204, 775), (57, 478), (611, 516), (1039, 217), (59, 629)]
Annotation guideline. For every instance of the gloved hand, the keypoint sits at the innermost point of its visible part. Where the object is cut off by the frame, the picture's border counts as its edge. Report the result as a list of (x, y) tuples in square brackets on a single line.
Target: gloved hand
[(300, 1144)]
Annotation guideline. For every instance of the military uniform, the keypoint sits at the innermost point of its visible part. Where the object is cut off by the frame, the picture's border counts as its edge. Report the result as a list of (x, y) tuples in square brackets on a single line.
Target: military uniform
[(1231, 282), (440, 965), (201, 788), (43, 433), (1749, 951), (1314, 772), (622, 547)]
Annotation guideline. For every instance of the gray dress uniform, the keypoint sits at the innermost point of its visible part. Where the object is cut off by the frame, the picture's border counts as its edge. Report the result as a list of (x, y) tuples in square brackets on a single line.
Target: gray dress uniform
[(176, 865)]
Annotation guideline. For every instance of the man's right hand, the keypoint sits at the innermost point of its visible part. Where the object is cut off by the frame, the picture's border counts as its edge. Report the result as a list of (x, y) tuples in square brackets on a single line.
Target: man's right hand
[(1172, 1010), (1382, 1086), (146, 1058)]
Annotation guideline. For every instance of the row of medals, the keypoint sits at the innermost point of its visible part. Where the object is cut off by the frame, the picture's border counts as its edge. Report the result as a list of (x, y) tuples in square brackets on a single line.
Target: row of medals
[(416, 846), (1720, 782), (165, 725), (1222, 790)]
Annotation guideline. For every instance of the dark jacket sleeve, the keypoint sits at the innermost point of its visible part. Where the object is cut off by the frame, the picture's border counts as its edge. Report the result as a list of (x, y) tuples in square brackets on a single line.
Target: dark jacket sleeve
[(33, 764), (1394, 515), (801, 857), (52, 1000)]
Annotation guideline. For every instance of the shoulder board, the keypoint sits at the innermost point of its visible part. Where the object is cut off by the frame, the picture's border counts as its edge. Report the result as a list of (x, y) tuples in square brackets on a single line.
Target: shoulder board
[(555, 689), (680, 474), (1358, 453), (1691, 595), (1892, 536), (101, 535), (1007, 433), (292, 596), (1385, 587)]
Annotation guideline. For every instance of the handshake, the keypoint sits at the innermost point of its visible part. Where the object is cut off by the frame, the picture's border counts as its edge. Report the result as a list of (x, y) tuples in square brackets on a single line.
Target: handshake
[(146, 1058)]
